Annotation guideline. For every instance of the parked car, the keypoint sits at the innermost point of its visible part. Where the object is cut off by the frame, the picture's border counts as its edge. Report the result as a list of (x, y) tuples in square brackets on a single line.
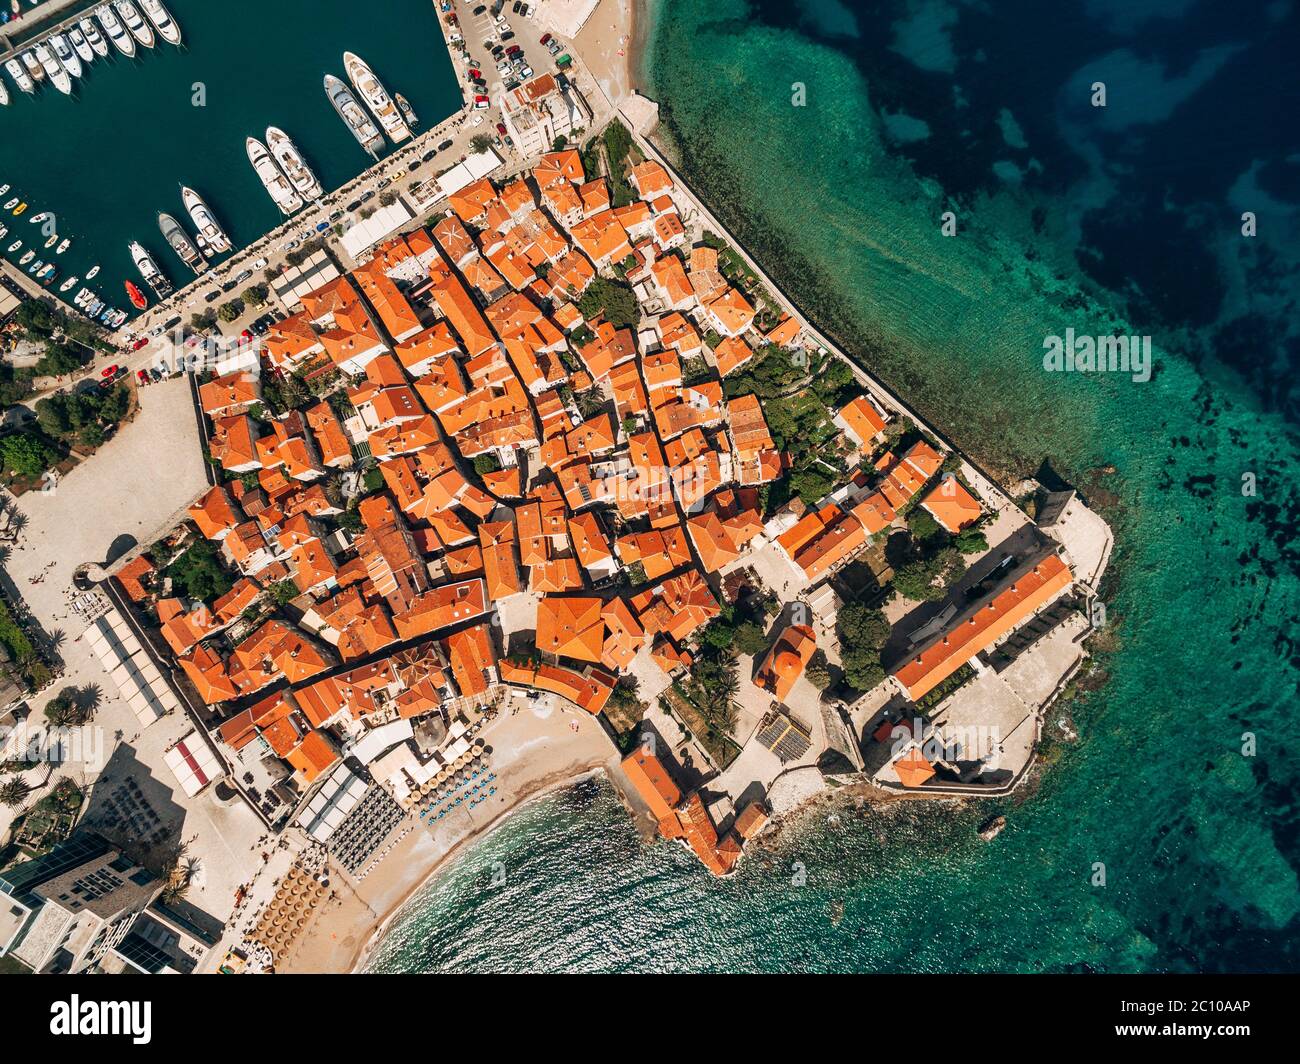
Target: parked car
[(501, 128), (242, 276), (515, 8), (335, 216), (428, 155), (353, 205), (142, 375), (480, 9), (260, 264), (546, 37), (444, 145), (322, 226), (553, 48), (139, 342), (367, 195), (108, 371), (508, 35), (384, 182), (481, 103)]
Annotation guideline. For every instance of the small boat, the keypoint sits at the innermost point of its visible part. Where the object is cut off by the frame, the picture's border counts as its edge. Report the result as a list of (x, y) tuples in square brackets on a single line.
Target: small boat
[(11, 204), (58, 75), (180, 243), (15, 246), (355, 116), (94, 37), (292, 164), (46, 274), (275, 183), (52, 241), (376, 96), (4, 94), (63, 51), (212, 238), (34, 67), (36, 219), (80, 45), (135, 22), (408, 112), (19, 209), (122, 40), (149, 271), (64, 244), (28, 255), (134, 294), (21, 78), (66, 285), (163, 21), (4, 189), (92, 272), (116, 317), (4, 231), (39, 264)]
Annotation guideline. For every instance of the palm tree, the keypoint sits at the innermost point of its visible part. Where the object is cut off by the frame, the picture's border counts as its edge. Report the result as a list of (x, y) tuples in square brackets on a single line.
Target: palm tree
[(13, 792)]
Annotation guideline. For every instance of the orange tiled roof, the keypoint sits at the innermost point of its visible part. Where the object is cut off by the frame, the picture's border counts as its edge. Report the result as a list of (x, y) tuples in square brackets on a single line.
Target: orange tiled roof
[(786, 660), (952, 505), (980, 629)]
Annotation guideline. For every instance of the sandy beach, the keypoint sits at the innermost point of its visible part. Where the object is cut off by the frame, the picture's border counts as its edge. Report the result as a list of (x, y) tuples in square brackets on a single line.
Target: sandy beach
[(536, 748)]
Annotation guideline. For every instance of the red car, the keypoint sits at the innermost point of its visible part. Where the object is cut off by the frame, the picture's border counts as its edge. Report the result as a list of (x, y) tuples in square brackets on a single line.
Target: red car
[(142, 375), (110, 371), (139, 343), (501, 128), (475, 74), (545, 37)]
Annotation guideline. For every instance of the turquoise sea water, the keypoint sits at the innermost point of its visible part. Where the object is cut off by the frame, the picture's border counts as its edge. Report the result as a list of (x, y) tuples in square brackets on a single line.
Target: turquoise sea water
[(1124, 220), (109, 158)]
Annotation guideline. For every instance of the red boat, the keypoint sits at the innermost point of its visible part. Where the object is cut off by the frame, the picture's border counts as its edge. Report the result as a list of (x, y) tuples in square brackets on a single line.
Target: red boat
[(137, 297)]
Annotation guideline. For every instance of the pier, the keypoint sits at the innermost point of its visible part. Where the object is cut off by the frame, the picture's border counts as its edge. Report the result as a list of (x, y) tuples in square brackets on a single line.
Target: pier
[(39, 22)]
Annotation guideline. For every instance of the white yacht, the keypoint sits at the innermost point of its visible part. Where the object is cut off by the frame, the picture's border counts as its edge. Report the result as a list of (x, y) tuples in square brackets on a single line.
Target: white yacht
[(149, 271), (356, 117), (122, 40), (377, 99), (63, 51), (162, 20), (4, 93), (94, 37), (34, 67), (21, 78), (81, 45), (211, 237), (54, 69), (134, 21), (292, 164), (276, 183)]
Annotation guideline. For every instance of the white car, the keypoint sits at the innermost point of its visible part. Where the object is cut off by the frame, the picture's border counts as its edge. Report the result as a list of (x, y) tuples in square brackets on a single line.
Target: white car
[(260, 264), (525, 72)]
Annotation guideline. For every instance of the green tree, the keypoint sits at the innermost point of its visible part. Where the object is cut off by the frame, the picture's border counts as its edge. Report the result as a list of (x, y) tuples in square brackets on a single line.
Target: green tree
[(818, 671), (480, 142), (615, 300), (58, 359), (254, 295), (13, 792), (750, 638), (230, 311), (197, 573), (90, 435), (971, 541), (62, 710), (27, 454)]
